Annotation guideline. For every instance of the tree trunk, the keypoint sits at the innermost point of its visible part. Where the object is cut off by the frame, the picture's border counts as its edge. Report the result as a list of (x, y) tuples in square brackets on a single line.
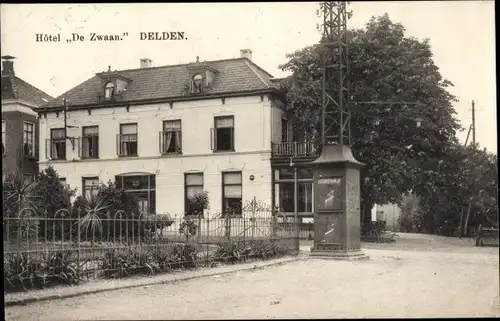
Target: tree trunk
[(366, 217), (461, 219), (467, 220), (366, 206)]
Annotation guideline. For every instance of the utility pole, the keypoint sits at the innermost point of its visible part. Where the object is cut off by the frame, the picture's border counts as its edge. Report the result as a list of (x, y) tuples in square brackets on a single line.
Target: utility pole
[(66, 126), (468, 134), (473, 124), (65, 107)]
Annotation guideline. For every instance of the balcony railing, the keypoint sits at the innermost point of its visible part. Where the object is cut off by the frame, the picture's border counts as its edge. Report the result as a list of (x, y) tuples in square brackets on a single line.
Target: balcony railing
[(294, 149)]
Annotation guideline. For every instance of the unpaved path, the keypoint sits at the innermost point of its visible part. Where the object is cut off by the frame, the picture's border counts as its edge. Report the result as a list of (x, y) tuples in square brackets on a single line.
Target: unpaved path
[(392, 284)]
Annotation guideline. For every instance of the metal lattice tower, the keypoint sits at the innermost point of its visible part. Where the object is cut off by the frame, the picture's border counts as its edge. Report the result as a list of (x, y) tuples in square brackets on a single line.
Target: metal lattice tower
[(336, 114)]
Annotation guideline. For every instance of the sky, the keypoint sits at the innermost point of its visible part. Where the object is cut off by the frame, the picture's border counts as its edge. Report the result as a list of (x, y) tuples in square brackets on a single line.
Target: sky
[(461, 33)]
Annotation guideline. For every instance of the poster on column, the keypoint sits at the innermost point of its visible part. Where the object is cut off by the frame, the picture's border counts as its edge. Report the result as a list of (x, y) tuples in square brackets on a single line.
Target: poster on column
[(330, 193)]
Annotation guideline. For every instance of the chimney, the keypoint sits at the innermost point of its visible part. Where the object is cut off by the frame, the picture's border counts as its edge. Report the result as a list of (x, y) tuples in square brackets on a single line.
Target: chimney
[(246, 53), (8, 65), (146, 63)]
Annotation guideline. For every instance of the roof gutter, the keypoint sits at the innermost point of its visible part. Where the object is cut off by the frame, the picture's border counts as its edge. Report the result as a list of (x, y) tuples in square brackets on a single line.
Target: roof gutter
[(273, 91)]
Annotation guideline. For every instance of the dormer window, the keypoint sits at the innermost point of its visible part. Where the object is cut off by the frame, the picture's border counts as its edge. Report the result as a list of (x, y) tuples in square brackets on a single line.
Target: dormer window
[(197, 83), (109, 91)]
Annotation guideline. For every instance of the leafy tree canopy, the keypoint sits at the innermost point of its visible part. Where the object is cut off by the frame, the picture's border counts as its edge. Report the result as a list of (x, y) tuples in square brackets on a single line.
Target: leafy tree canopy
[(384, 66), (463, 190), (53, 195)]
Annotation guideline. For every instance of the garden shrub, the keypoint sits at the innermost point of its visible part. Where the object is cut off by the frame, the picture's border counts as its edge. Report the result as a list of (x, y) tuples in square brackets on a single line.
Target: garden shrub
[(119, 217), (188, 228), (149, 261), (236, 252), (117, 265), (22, 272)]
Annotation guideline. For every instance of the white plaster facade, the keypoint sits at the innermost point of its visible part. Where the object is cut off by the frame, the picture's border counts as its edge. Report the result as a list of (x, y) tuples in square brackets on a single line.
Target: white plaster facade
[(256, 124), (388, 213)]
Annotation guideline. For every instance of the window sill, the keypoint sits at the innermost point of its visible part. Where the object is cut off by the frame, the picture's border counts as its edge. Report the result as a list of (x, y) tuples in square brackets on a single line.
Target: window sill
[(172, 154), (292, 213), (89, 157), (224, 151), (128, 156), (57, 160)]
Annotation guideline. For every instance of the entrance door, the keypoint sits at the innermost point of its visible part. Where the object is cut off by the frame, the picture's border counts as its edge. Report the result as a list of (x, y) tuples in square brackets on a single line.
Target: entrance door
[(143, 205), (142, 201)]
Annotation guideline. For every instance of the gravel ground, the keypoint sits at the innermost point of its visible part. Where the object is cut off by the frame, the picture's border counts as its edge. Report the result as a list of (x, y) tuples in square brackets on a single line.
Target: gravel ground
[(454, 282)]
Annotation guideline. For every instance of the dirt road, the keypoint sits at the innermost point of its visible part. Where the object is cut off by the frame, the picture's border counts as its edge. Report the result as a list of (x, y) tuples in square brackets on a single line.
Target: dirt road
[(391, 284)]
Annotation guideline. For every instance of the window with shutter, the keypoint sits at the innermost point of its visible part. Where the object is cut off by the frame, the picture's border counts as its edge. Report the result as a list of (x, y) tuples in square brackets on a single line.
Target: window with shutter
[(90, 142), (171, 137), (57, 149), (223, 134), (127, 140)]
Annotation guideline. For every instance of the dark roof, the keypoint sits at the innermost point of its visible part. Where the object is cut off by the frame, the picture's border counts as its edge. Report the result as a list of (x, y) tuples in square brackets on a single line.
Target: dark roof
[(234, 75), (15, 88)]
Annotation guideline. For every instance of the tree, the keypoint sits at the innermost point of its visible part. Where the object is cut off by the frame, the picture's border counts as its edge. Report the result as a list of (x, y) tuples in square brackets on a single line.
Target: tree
[(43, 198), (109, 214), (120, 200), (384, 66), (54, 196), (54, 204), (410, 218), (20, 194), (114, 214), (462, 192), (198, 203), (20, 207)]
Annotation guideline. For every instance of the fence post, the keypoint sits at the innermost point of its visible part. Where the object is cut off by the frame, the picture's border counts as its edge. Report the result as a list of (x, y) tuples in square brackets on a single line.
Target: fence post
[(19, 226), (208, 238), (157, 238), (297, 234), (244, 229), (228, 226), (199, 226), (78, 242), (254, 205), (274, 221)]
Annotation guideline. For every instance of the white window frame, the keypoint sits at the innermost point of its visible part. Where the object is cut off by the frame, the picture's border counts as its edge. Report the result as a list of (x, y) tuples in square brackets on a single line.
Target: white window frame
[(90, 140), (33, 138), (90, 188), (109, 90), (227, 184), (125, 138)]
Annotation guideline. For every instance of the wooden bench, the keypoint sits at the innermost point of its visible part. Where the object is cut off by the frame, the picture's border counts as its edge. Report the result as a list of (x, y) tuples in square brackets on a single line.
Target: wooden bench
[(487, 236)]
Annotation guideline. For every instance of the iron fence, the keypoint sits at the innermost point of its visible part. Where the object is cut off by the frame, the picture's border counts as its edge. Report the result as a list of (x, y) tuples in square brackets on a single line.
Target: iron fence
[(68, 248)]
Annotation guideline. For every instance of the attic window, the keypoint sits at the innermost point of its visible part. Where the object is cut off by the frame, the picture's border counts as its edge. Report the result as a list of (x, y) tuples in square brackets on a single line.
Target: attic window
[(197, 85), (109, 91)]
